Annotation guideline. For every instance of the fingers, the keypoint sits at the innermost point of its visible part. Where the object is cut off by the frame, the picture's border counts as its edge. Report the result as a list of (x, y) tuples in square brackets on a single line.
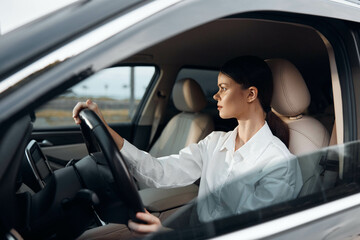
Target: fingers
[(91, 105), (78, 107), (82, 105), (153, 223), (147, 217)]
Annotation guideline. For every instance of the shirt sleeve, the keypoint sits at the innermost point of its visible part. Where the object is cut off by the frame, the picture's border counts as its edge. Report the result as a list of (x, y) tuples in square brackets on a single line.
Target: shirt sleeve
[(165, 172)]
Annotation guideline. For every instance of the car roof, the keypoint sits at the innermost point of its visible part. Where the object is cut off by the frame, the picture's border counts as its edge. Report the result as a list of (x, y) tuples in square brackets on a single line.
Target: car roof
[(209, 45)]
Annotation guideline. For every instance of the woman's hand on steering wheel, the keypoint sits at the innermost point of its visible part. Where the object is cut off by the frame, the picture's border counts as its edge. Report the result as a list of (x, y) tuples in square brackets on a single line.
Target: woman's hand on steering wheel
[(94, 107), (152, 223), (90, 105)]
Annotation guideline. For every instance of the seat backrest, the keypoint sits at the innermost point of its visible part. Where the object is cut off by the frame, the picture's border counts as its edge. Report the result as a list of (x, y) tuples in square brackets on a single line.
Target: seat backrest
[(189, 126), (291, 98)]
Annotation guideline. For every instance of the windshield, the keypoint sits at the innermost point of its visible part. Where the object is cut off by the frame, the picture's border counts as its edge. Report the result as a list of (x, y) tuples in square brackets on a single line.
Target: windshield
[(14, 14), (327, 175)]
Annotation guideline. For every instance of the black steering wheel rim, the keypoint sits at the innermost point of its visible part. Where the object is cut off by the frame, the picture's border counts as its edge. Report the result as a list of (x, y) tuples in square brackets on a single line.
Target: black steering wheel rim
[(93, 129)]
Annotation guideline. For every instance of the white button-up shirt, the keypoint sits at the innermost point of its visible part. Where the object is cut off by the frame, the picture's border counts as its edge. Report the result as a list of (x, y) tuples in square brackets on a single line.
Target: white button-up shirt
[(260, 173)]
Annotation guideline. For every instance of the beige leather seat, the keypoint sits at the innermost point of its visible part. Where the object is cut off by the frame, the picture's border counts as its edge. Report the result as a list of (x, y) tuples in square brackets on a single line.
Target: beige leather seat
[(189, 126), (291, 98)]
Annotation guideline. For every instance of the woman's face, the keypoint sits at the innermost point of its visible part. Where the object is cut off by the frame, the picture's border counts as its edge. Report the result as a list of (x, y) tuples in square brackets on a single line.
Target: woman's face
[(232, 100)]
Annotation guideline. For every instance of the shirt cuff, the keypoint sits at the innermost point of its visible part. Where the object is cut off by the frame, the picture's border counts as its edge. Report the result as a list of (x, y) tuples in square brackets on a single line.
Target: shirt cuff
[(128, 151), (125, 146)]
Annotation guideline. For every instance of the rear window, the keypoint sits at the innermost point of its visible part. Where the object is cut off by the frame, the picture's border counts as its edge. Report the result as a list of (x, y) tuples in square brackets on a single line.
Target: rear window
[(207, 79)]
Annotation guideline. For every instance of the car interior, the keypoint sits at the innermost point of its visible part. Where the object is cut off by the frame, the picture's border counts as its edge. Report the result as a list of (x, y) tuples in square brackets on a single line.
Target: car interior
[(177, 112), (299, 60)]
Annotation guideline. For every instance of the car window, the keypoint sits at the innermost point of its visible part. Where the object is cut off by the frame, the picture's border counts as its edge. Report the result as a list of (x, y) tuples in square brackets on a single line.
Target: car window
[(321, 184), (117, 91), (206, 78)]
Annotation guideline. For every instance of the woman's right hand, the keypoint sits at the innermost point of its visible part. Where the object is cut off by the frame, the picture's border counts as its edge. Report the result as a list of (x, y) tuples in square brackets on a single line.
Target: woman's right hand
[(90, 105), (94, 107), (152, 224)]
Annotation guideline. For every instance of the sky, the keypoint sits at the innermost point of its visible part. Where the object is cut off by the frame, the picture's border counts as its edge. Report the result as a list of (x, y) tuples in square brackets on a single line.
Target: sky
[(14, 13), (114, 83)]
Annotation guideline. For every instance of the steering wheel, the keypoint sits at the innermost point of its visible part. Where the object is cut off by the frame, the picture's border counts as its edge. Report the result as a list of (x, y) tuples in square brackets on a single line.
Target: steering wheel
[(96, 134)]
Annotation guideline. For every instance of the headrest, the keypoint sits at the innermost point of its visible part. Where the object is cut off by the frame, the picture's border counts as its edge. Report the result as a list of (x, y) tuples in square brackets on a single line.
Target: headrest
[(188, 95), (291, 96)]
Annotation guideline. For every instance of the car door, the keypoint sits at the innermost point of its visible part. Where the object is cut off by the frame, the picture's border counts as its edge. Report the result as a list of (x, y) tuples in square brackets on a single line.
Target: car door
[(340, 35)]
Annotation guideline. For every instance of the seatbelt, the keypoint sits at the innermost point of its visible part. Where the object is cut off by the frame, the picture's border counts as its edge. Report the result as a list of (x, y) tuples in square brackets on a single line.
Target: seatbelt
[(157, 115)]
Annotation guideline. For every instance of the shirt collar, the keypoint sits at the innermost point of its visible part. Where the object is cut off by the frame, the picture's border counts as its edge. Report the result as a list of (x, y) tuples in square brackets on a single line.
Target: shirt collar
[(229, 142), (254, 146)]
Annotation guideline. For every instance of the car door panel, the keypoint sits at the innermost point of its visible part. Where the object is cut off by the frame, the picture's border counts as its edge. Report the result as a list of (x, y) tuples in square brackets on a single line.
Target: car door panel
[(60, 146), (59, 156)]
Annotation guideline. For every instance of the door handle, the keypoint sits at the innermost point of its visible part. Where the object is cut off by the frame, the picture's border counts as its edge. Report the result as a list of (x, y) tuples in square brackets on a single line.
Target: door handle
[(46, 143)]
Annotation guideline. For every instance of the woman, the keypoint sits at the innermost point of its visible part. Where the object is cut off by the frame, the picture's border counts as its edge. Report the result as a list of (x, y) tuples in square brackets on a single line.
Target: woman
[(241, 170)]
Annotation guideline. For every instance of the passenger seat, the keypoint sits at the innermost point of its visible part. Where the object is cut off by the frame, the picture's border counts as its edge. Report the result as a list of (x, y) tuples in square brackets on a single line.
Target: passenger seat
[(189, 126)]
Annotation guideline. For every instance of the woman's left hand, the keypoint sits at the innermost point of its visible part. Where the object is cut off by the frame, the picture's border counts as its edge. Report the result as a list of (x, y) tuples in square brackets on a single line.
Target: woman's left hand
[(153, 223)]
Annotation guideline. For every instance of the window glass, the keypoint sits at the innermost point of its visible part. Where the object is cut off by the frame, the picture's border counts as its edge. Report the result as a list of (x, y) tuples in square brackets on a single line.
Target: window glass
[(117, 91), (320, 170), (207, 79)]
